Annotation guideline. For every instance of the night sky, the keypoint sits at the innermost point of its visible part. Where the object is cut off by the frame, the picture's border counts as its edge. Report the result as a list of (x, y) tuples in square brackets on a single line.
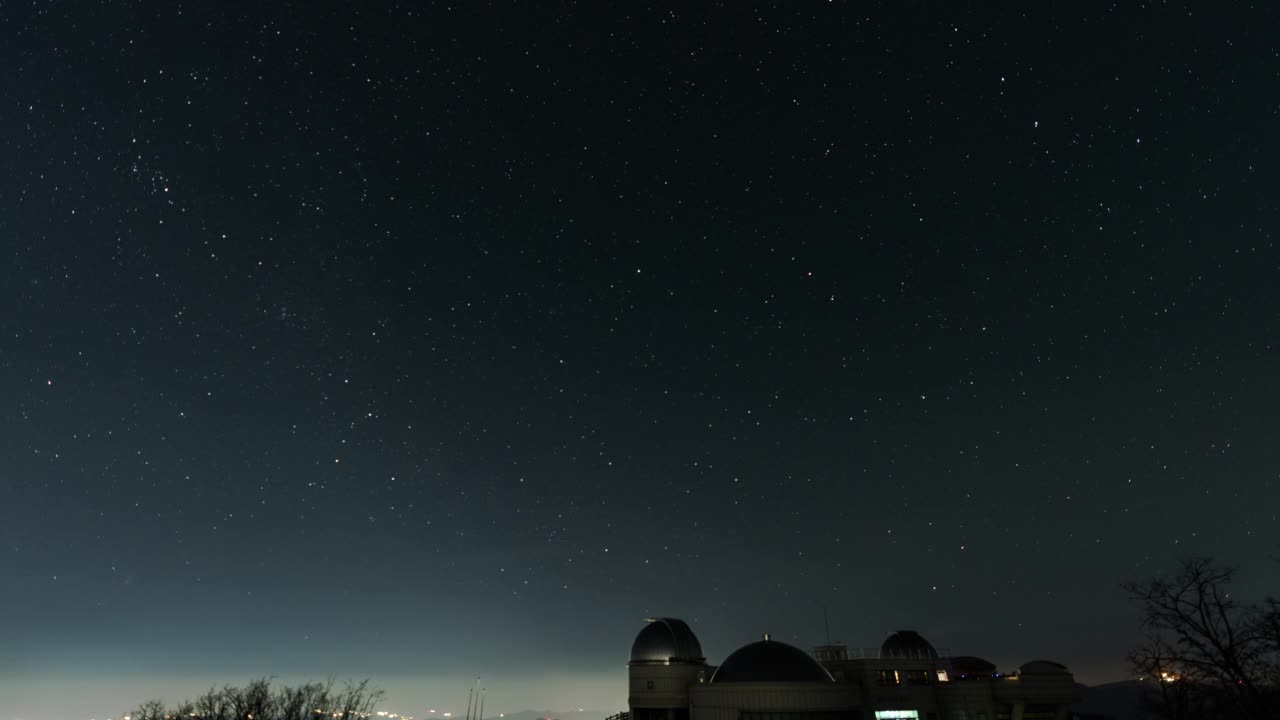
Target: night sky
[(427, 341)]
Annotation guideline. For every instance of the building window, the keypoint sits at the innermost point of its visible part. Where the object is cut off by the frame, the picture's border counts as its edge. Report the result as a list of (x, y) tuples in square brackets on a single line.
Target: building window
[(917, 677), (890, 677), (648, 684), (897, 715), (943, 677)]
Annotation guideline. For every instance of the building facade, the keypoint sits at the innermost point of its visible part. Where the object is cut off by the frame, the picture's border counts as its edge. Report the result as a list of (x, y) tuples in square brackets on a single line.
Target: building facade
[(906, 678)]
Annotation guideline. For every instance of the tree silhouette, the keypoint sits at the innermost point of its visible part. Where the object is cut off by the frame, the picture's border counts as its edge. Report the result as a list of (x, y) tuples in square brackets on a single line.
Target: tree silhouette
[(1209, 655), (259, 701)]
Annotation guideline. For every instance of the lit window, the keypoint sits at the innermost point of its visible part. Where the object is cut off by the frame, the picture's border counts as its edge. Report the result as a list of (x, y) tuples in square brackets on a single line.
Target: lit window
[(942, 676), (897, 715)]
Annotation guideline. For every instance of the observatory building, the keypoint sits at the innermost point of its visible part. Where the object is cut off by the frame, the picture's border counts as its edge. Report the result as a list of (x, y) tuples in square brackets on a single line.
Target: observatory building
[(906, 678)]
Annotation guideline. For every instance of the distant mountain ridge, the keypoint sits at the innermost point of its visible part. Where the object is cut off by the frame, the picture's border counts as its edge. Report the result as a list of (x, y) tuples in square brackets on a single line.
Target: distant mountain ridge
[(1117, 700)]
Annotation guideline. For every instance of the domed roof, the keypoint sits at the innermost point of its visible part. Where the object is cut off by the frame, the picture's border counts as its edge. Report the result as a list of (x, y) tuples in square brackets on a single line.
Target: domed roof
[(770, 661), (666, 640), (970, 666), (1043, 667), (908, 645)]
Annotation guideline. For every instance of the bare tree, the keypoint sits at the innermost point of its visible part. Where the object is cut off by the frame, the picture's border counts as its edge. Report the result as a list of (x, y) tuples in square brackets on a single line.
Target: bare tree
[(150, 710), (1177, 692), (1210, 655), (259, 701)]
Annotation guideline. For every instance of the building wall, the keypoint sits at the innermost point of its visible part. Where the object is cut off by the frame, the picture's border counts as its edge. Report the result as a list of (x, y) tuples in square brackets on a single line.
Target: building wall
[(727, 701), (663, 686), (862, 690), (967, 699), (683, 691)]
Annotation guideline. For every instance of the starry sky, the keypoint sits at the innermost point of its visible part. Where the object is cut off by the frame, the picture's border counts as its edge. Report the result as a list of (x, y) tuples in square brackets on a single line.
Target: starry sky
[(422, 341)]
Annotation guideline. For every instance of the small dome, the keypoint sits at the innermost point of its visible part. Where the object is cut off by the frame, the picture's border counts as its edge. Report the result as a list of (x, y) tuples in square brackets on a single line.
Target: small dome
[(1043, 667), (970, 666), (907, 645), (770, 661), (666, 640)]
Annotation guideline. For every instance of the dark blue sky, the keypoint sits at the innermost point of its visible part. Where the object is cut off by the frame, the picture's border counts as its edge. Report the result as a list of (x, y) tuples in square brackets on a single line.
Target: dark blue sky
[(421, 342)]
